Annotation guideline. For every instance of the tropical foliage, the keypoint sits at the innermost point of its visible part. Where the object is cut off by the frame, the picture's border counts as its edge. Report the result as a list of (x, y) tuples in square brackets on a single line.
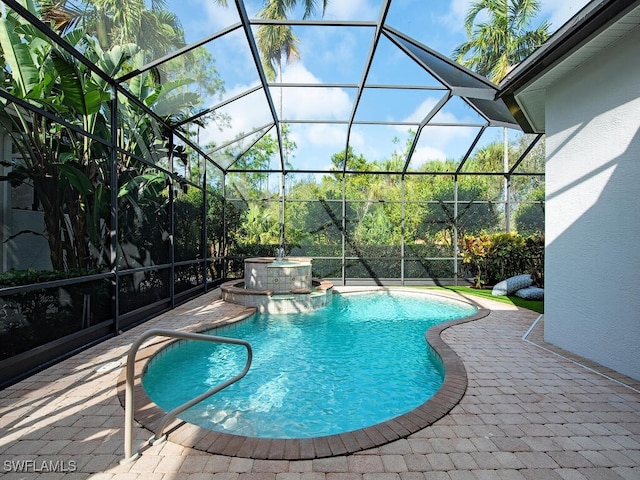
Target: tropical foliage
[(65, 167), (382, 211), (100, 169), (495, 257), (118, 22), (500, 35), (68, 162), (530, 216)]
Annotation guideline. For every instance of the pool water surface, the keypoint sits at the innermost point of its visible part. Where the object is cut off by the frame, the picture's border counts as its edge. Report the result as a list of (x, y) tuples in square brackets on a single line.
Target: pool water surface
[(358, 362)]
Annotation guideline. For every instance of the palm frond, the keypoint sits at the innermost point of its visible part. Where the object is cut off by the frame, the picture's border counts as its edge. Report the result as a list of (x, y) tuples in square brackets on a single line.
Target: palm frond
[(504, 39)]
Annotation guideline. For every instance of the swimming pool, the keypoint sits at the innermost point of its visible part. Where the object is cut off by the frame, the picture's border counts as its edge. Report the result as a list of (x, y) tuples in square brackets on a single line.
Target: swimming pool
[(358, 362)]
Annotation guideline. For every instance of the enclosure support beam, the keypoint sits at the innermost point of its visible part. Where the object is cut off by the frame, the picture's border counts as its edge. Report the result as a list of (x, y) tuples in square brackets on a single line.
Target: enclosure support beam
[(113, 227), (172, 228), (365, 74), (223, 250), (344, 227), (507, 181), (402, 239), (263, 79), (455, 230), (204, 248)]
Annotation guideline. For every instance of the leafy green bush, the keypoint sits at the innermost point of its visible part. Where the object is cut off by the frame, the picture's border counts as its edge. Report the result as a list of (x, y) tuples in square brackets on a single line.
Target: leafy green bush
[(493, 258), (35, 317), (474, 251)]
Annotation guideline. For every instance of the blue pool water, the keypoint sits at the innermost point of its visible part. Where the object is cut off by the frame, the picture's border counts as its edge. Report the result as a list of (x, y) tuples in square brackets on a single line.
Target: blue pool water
[(360, 361)]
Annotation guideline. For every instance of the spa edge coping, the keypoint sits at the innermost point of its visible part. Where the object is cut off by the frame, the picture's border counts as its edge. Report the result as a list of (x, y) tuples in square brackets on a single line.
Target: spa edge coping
[(232, 286), (299, 260)]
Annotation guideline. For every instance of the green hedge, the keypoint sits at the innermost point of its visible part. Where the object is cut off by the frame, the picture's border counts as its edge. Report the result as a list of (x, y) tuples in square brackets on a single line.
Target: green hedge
[(493, 258)]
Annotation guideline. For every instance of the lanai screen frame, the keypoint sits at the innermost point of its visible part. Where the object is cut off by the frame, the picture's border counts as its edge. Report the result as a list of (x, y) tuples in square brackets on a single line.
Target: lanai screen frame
[(480, 94)]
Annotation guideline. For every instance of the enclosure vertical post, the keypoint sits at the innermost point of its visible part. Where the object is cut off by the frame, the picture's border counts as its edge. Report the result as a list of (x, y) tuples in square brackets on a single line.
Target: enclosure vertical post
[(282, 192), (223, 249), (344, 225), (455, 230), (507, 202), (204, 247), (113, 230), (507, 181), (402, 225), (172, 225), (5, 204)]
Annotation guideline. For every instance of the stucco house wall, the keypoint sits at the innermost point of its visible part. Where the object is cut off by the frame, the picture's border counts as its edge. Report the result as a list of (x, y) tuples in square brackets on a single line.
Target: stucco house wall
[(33, 251), (592, 260)]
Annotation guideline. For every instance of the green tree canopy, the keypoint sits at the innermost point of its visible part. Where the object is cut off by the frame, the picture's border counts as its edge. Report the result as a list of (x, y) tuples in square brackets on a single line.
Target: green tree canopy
[(529, 217), (116, 22), (504, 39)]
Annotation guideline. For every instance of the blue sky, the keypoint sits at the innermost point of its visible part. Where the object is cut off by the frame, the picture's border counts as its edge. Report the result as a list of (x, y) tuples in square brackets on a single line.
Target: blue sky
[(337, 55)]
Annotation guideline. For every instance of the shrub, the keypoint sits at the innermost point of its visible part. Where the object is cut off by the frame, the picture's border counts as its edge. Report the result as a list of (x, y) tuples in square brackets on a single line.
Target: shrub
[(474, 251), (32, 318), (493, 258)]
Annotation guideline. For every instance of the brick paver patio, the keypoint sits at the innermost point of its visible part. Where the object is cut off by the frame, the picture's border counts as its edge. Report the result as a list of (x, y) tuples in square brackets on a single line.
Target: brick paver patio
[(530, 411)]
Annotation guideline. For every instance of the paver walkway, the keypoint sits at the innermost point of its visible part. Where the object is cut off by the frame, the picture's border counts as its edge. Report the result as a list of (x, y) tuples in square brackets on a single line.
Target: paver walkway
[(528, 413)]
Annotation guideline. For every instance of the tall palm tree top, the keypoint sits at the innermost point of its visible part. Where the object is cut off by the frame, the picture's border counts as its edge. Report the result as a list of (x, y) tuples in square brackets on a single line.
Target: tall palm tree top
[(504, 39), (278, 41), (310, 6)]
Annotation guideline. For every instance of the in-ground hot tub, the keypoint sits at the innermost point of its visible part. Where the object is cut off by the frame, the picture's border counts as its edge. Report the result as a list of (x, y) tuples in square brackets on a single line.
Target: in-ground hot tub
[(279, 276), (278, 285)]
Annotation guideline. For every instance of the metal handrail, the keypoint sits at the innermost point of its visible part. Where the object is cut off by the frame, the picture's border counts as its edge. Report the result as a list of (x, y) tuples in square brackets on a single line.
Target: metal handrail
[(129, 454)]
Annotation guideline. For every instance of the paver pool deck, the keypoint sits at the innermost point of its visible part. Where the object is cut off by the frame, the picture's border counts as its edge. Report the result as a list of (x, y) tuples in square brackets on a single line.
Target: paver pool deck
[(530, 411)]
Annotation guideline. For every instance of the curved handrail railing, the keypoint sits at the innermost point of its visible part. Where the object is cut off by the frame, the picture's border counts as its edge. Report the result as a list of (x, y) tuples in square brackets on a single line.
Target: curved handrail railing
[(129, 454)]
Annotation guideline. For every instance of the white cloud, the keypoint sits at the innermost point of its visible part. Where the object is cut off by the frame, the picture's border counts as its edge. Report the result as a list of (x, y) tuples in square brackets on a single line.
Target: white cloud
[(457, 13), (212, 17), (322, 135), (423, 155), (421, 111), (351, 10), (453, 140), (316, 142), (316, 102), (436, 140), (425, 108), (245, 115)]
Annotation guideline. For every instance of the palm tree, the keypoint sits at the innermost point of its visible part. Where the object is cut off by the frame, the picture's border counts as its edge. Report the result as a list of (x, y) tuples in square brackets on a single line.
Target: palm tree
[(503, 40), (278, 41), (118, 22), (498, 44)]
